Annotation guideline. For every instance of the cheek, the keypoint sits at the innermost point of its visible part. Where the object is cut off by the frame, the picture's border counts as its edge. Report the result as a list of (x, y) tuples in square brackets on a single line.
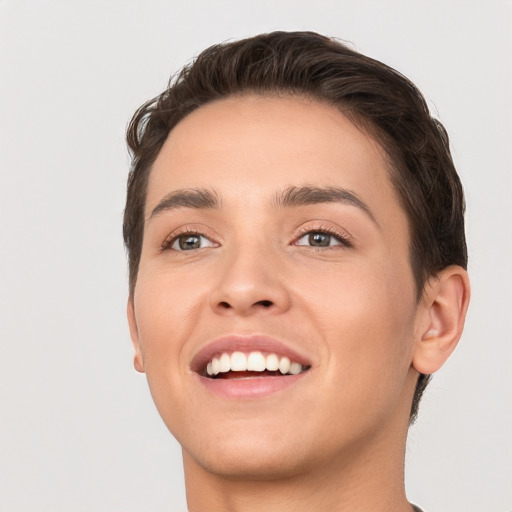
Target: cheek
[(167, 307), (365, 312), (166, 311)]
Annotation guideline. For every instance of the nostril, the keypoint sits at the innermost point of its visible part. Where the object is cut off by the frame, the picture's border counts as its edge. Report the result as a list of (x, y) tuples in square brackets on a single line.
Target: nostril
[(265, 303), (227, 305)]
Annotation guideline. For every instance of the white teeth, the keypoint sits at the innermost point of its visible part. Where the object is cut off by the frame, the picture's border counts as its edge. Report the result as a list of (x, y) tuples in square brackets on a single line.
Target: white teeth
[(253, 362), (256, 362), (272, 363), (295, 368), (225, 363), (215, 366), (238, 362), (284, 365)]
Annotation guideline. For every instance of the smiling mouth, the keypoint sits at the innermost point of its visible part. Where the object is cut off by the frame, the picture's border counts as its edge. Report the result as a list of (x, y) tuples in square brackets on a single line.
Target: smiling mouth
[(240, 365)]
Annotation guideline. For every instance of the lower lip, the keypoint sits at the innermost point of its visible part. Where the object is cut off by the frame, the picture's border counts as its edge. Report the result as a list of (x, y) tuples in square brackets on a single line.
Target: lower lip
[(253, 387)]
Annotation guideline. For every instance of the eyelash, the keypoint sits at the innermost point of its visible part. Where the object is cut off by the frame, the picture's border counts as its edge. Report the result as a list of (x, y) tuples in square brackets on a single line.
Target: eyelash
[(343, 238), (169, 241)]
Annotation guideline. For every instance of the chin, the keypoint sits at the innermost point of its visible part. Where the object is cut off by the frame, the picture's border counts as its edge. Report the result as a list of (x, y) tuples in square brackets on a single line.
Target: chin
[(248, 454), (250, 464)]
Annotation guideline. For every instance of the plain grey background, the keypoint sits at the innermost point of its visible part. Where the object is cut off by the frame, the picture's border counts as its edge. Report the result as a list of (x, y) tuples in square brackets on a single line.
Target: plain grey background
[(78, 430)]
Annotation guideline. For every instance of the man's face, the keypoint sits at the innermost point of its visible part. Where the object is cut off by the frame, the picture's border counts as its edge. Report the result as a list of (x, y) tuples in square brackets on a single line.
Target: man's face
[(296, 247)]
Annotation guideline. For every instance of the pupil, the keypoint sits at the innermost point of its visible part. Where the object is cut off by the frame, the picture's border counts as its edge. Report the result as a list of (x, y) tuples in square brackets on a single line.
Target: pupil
[(190, 242), (319, 239)]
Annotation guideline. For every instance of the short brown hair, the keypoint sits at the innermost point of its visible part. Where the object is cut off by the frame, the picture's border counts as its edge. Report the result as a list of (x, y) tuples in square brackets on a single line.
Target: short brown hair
[(376, 97)]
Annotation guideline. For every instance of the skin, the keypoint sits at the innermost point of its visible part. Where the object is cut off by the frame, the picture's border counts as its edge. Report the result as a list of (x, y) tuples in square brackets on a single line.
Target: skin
[(335, 440)]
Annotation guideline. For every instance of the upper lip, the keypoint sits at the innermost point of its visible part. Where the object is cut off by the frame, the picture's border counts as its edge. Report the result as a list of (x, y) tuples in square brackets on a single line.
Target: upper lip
[(252, 343)]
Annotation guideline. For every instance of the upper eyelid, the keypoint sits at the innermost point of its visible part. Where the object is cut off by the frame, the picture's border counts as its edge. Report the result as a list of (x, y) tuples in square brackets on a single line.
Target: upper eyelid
[(344, 236)]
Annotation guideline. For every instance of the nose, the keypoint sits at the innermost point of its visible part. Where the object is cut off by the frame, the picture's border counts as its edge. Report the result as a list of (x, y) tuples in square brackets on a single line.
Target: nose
[(250, 282)]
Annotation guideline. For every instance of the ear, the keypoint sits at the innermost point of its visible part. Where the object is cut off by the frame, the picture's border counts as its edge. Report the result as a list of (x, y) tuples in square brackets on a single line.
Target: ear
[(446, 300), (138, 360)]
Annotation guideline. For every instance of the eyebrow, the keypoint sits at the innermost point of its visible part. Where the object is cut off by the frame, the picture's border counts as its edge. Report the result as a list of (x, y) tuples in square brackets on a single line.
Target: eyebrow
[(200, 198), (307, 195), (197, 198)]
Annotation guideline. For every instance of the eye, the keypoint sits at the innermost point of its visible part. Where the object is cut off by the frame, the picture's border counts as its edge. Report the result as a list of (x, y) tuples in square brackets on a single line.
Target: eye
[(188, 242), (322, 238)]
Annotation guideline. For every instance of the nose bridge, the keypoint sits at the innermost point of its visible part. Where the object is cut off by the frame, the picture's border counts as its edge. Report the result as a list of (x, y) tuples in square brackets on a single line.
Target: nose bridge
[(250, 279)]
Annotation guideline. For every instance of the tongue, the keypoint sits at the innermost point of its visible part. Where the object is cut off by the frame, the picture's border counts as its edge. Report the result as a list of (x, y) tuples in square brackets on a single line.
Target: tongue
[(245, 375)]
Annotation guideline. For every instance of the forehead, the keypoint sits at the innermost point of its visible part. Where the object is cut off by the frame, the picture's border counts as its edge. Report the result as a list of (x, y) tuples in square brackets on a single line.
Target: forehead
[(246, 147)]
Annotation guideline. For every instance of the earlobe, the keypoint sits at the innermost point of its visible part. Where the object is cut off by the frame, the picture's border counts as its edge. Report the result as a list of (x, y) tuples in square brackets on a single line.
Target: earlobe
[(138, 360), (446, 299)]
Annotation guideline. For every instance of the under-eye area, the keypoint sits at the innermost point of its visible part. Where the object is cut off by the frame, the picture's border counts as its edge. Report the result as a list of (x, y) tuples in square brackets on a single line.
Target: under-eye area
[(240, 365)]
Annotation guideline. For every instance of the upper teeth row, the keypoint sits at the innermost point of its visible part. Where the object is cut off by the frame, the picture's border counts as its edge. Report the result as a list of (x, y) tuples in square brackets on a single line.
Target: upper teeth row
[(254, 361)]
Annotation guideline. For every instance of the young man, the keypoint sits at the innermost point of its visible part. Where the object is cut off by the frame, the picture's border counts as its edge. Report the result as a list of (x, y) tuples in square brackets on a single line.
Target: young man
[(295, 231)]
